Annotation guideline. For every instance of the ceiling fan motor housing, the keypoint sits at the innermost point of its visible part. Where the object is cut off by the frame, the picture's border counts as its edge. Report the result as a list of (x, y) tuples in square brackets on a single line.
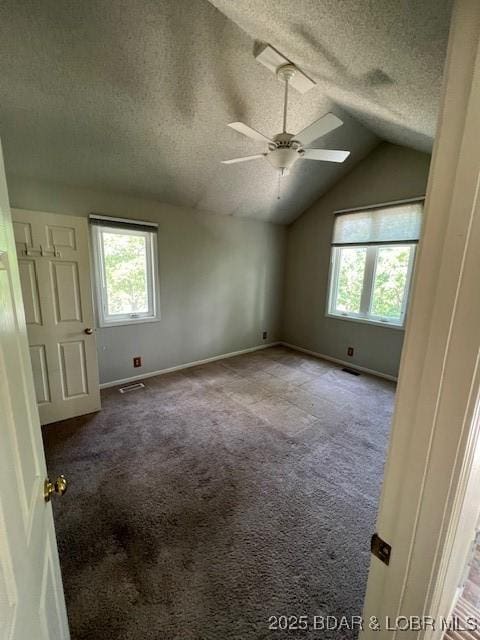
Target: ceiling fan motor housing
[(284, 152)]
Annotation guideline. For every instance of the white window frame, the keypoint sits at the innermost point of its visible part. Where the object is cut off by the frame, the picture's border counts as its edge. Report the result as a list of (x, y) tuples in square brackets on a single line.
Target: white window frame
[(365, 315), (114, 320)]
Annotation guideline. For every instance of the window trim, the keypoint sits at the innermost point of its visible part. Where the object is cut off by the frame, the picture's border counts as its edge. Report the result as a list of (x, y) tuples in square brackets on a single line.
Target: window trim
[(368, 282), (101, 297)]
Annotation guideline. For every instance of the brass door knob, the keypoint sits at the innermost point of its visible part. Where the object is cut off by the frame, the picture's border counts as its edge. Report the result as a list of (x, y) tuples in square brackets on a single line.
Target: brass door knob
[(89, 331), (59, 486)]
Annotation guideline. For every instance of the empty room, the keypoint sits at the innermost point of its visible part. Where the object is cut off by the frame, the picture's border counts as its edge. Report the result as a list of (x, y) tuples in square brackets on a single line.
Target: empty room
[(239, 318)]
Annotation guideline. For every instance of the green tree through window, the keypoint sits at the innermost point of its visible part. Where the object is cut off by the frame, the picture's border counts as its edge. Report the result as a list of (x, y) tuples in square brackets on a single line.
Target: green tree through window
[(350, 279), (371, 281), (126, 273), (390, 280)]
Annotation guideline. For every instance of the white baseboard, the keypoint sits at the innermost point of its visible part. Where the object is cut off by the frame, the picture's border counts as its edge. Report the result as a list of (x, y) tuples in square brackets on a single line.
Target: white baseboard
[(223, 356), (187, 365), (322, 356)]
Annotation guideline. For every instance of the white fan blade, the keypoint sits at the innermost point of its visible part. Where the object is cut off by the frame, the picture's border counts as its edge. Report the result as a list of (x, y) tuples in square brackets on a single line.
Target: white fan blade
[(244, 159), (328, 155), (249, 132), (318, 128)]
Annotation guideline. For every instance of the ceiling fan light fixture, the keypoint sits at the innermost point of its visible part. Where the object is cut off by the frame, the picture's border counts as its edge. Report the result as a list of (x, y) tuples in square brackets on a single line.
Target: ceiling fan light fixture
[(283, 159)]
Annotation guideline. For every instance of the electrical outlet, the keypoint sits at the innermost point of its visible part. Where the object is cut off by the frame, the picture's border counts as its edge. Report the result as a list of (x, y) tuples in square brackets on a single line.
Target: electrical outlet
[(350, 351), (137, 361), (264, 335)]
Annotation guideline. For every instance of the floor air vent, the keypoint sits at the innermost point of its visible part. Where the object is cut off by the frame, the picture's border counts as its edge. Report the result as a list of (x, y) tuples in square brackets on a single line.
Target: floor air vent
[(352, 371), (132, 387)]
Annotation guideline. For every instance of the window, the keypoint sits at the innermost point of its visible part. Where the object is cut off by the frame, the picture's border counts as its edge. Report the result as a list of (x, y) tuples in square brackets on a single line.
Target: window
[(373, 253), (125, 256)]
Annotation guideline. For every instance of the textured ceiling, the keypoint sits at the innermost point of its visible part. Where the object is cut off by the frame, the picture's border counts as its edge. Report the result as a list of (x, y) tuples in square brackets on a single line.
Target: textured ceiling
[(134, 96), (382, 60)]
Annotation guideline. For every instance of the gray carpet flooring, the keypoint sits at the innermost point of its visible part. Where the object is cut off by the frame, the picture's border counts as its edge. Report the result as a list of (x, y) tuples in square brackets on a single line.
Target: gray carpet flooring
[(219, 496)]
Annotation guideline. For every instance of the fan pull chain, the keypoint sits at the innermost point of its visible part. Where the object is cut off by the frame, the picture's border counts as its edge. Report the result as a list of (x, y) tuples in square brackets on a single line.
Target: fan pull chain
[(279, 183)]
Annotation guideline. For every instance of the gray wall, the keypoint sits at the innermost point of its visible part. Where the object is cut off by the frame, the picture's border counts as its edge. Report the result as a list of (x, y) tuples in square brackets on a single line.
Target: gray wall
[(390, 172), (221, 279)]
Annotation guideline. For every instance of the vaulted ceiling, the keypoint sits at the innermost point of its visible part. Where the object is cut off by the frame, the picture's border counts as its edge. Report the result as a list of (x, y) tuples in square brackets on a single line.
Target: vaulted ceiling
[(135, 96)]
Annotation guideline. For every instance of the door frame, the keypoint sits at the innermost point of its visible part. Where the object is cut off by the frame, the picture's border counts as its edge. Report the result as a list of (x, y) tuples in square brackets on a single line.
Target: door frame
[(432, 464)]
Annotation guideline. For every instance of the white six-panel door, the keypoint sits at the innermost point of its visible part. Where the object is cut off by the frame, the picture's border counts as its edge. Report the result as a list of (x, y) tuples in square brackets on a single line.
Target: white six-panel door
[(54, 270), (31, 597)]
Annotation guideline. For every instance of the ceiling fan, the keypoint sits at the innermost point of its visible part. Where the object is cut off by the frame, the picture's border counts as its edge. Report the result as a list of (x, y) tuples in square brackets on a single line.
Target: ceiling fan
[(284, 149)]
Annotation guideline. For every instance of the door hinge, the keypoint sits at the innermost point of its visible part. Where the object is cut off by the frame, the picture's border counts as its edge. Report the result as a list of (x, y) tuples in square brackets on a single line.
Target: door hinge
[(381, 549)]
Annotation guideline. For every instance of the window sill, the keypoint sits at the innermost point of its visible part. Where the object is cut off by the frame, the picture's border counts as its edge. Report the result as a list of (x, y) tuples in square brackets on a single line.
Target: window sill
[(125, 322), (375, 323)]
